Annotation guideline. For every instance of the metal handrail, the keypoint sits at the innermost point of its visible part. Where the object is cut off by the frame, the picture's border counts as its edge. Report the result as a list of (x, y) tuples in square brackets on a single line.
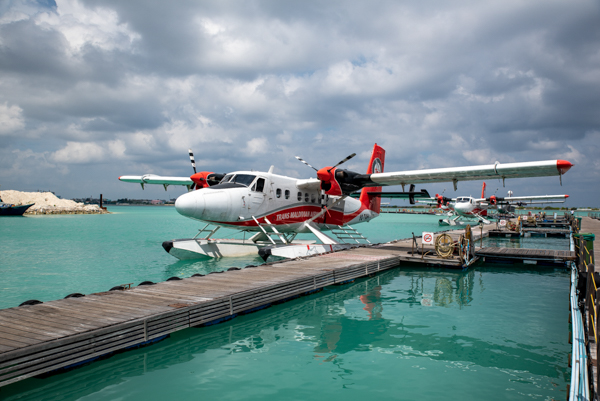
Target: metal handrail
[(579, 374)]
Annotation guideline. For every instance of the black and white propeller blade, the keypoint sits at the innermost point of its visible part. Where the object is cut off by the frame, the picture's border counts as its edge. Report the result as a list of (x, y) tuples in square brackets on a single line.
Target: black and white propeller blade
[(191, 188), (303, 161), (345, 160), (192, 160)]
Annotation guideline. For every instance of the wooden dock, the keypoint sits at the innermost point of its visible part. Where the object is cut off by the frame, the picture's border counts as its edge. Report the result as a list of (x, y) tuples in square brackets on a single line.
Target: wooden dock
[(56, 335)]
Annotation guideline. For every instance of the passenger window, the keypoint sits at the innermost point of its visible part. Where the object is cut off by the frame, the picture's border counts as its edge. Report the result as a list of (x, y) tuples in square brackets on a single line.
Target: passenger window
[(278, 193), (299, 196), (306, 197), (313, 198), (287, 194), (260, 185)]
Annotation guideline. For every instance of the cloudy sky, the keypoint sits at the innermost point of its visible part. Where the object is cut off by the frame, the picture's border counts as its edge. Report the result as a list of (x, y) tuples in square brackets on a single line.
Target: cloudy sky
[(91, 90)]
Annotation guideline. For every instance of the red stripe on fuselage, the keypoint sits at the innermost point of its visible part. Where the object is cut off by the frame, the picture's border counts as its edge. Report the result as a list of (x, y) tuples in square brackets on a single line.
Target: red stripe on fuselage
[(295, 215)]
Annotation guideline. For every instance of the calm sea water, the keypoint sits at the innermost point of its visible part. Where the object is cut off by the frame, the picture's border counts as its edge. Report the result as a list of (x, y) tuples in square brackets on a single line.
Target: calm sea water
[(412, 334)]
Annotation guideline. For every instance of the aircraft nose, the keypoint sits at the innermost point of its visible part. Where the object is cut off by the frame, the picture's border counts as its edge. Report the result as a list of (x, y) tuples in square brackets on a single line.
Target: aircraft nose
[(187, 205), (460, 207)]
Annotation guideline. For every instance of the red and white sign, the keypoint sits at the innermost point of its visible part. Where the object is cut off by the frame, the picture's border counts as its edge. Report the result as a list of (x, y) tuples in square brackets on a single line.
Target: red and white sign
[(427, 238), (502, 223)]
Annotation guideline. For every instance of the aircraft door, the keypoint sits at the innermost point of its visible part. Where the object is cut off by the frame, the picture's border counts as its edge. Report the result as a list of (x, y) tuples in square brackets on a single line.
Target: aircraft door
[(257, 195)]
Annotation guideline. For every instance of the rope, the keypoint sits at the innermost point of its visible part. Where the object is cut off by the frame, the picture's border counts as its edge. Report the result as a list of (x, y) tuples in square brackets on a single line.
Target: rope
[(444, 246)]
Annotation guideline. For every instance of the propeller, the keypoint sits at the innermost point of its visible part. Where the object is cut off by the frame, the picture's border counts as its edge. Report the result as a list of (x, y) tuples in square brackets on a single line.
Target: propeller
[(193, 166), (202, 179), (331, 179), (192, 160), (304, 161), (441, 200), (343, 161)]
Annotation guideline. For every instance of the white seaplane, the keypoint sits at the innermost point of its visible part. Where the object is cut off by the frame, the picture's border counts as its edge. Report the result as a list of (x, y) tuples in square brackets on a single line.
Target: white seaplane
[(469, 207), (276, 208)]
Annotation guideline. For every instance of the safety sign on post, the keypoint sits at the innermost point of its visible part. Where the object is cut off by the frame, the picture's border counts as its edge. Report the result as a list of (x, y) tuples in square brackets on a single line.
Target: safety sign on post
[(427, 238)]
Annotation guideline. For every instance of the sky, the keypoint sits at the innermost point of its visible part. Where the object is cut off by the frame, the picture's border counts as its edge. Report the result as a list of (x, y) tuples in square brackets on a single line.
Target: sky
[(92, 90)]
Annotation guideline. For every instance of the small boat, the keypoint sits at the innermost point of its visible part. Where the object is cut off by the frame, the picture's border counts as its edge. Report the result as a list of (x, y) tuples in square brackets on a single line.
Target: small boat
[(8, 209)]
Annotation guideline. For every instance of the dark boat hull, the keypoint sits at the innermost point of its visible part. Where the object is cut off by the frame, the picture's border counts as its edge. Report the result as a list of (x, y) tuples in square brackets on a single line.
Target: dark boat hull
[(14, 210)]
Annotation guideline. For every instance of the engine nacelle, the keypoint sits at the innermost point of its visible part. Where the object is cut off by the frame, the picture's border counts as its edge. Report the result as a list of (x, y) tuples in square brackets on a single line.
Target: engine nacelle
[(205, 179), (338, 182)]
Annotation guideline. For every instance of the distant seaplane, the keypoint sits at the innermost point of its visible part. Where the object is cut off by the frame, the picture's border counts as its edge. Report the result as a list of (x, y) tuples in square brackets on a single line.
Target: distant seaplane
[(276, 208), (469, 207)]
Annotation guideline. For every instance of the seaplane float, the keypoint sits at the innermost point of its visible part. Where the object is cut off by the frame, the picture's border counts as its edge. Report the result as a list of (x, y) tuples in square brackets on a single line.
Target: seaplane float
[(272, 209)]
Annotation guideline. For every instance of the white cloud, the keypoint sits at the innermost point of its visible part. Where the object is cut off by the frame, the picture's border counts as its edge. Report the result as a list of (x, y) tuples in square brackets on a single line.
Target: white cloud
[(80, 25), (11, 119), (258, 146), (89, 152)]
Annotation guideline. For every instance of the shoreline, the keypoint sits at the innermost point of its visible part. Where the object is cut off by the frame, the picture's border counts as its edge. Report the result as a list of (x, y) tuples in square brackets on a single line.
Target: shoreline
[(47, 203)]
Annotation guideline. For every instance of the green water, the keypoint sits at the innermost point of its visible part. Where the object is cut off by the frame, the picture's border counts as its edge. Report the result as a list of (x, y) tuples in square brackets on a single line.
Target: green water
[(409, 334)]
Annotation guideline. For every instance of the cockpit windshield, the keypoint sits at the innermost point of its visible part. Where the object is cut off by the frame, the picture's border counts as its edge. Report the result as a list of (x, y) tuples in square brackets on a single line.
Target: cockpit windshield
[(245, 179)]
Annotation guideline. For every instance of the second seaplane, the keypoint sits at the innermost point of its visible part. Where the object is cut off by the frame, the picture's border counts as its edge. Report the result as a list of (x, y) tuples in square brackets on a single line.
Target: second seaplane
[(468, 207), (275, 208)]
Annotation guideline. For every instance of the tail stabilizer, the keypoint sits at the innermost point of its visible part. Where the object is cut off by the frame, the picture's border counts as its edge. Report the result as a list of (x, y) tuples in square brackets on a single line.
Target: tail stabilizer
[(375, 166)]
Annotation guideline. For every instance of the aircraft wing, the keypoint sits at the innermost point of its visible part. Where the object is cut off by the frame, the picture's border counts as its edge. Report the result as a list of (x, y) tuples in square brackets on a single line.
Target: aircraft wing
[(533, 198), (470, 173), (308, 184), (422, 194), (156, 179)]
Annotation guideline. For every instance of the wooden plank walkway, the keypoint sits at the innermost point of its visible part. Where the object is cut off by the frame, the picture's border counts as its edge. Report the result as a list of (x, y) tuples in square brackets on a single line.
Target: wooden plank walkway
[(42, 338)]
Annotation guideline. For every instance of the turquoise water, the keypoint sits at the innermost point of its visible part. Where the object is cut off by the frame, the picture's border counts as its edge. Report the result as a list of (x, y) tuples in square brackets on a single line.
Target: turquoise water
[(492, 333), (49, 257), (528, 242)]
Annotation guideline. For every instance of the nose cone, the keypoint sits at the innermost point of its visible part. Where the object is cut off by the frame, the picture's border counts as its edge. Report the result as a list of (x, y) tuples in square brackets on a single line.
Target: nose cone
[(461, 208), (187, 205), (206, 204)]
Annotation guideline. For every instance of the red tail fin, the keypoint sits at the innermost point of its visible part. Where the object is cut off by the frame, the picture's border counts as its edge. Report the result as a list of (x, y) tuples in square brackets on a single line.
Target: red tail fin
[(375, 166), (483, 191)]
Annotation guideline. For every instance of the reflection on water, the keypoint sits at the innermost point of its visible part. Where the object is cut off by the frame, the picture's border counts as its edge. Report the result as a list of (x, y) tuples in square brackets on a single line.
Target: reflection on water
[(380, 336)]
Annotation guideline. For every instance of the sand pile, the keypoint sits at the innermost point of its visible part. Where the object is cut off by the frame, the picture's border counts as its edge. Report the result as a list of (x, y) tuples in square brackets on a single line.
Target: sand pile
[(48, 203)]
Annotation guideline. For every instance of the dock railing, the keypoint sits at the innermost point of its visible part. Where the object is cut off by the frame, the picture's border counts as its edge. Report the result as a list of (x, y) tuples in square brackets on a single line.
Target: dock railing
[(584, 314)]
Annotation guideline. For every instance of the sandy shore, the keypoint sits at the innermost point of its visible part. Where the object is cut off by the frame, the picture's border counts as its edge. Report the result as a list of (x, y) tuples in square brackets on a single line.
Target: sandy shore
[(48, 203)]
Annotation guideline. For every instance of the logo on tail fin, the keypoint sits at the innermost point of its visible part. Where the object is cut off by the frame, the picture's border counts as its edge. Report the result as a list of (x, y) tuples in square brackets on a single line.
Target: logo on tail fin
[(377, 166)]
